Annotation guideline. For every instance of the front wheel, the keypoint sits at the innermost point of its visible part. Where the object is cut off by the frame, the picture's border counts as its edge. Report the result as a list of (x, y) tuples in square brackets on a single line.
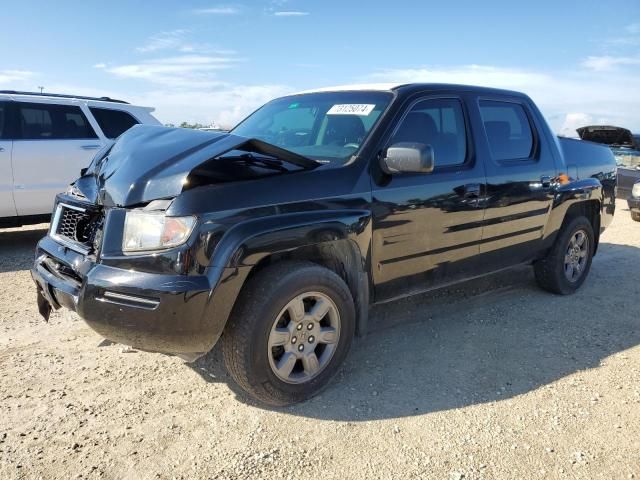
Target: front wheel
[(290, 331), (567, 264), (635, 216)]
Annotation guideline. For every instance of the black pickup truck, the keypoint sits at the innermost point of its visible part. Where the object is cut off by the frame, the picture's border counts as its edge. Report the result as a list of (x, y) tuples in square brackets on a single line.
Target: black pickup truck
[(276, 237)]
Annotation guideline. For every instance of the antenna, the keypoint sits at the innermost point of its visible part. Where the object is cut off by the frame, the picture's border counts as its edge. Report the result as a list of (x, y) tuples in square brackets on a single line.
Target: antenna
[(41, 89)]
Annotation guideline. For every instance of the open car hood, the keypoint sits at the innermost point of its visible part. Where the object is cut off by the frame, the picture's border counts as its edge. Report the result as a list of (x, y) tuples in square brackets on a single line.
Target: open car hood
[(608, 135), (150, 162)]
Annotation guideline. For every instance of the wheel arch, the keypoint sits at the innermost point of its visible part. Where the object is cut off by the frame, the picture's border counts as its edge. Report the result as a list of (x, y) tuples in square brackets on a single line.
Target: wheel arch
[(589, 209), (339, 241), (578, 198)]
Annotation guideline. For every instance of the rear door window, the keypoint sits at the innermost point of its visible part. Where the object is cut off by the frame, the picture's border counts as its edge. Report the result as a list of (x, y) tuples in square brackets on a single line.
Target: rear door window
[(113, 122), (508, 130), (439, 123), (41, 121)]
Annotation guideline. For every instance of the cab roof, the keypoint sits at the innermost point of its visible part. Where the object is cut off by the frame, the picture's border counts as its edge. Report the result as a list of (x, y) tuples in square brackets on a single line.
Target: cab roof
[(411, 87)]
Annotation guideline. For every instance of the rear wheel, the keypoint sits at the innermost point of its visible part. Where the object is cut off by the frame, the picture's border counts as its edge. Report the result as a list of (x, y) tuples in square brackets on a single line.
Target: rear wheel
[(290, 331), (635, 216), (567, 264)]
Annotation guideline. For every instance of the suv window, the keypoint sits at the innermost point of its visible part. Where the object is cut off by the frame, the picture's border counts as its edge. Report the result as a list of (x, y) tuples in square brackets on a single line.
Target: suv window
[(113, 122), (508, 129), (41, 121), (439, 123)]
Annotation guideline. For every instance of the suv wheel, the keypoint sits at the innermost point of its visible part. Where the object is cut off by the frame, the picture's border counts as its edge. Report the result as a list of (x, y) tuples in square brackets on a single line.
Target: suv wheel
[(635, 216), (290, 331), (568, 262)]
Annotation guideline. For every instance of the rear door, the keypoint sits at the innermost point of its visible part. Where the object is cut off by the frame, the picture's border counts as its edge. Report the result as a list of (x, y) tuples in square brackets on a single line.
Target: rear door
[(427, 227), (521, 170), (54, 142), (7, 206)]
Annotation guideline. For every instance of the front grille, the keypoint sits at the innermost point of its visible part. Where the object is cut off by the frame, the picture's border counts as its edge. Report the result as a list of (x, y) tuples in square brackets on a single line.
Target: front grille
[(77, 225)]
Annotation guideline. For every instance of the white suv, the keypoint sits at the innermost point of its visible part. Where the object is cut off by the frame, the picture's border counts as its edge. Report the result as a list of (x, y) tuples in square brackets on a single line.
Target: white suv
[(46, 139)]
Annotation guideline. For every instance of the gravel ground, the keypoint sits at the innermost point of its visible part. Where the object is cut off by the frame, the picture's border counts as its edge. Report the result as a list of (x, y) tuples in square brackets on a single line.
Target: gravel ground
[(492, 379)]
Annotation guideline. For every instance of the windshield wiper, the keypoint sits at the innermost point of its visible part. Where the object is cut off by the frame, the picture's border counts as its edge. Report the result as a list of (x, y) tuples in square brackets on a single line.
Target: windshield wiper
[(254, 145), (263, 162)]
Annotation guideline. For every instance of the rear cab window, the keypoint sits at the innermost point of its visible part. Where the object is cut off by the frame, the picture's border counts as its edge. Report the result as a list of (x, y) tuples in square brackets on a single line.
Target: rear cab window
[(438, 122), (3, 121), (113, 123), (508, 129), (41, 121)]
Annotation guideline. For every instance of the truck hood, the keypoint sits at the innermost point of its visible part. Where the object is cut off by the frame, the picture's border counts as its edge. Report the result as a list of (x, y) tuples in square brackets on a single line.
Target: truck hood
[(151, 162), (606, 134)]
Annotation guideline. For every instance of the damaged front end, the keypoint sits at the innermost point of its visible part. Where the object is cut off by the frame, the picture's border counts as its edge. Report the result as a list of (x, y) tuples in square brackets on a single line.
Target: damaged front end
[(137, 274), (76, 232), (149, 163)]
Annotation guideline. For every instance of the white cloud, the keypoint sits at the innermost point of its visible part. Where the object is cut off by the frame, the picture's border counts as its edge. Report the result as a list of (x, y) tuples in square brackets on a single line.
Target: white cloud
[(225, 104), (184, 71), (608, 63), (100, 65), (186, 85), (15, 76), (218, 10), (164, 41), (604, 98), (291, 13), (628, 36), (179, 41), (573, 121), (466, 74)]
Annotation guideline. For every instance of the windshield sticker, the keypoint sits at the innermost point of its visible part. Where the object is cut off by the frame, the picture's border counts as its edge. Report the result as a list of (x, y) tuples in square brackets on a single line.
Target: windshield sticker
[(363, 109), (294, 105)]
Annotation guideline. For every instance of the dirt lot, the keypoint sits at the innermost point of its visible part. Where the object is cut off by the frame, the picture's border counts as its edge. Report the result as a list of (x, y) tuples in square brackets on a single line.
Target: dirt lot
[(494, 379)]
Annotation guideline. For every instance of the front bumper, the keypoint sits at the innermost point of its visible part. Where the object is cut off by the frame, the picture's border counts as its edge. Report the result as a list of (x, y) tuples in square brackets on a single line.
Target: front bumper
[(149, 311)]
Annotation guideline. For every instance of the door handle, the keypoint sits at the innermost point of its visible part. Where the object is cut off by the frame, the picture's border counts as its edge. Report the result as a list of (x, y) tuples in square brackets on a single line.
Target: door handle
[(545, 180), (90, 147), (472, 190)]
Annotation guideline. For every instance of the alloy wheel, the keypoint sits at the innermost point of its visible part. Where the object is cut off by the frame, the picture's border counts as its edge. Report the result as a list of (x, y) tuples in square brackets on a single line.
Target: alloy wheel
[(304, 337), (576, 256)]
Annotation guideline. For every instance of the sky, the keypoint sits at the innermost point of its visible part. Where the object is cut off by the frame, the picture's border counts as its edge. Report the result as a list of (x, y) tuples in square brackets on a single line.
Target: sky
[(207, 61)]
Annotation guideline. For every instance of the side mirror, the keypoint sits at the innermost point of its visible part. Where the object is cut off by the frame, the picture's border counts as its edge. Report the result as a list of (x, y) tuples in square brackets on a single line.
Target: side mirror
[(408, 158)]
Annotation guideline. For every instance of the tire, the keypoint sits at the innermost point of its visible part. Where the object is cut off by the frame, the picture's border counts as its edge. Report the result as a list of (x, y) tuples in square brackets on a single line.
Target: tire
[(551, 271), (268, 311), (635, 216)]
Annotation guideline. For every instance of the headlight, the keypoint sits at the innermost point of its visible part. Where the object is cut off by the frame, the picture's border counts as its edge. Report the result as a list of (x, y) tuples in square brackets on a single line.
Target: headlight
[(154, 231), (635, 191)]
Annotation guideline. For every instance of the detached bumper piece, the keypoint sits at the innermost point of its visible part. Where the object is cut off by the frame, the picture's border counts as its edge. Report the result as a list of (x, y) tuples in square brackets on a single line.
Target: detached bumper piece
[(149, 311), (56, 288)]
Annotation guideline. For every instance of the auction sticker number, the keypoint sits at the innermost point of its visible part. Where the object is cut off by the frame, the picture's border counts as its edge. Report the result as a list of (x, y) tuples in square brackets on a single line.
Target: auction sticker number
[(363, 109)]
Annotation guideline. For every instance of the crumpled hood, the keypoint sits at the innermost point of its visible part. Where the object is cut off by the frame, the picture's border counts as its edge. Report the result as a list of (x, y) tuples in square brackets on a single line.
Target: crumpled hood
[(151, 162)]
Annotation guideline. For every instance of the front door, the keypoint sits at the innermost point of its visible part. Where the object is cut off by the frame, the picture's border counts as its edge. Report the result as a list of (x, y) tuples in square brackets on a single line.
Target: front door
[(54, 143), (427, 227), (7, 207)]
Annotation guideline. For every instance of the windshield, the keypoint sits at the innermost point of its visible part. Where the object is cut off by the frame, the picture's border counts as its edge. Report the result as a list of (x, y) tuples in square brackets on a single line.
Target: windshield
[(328, 126)]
